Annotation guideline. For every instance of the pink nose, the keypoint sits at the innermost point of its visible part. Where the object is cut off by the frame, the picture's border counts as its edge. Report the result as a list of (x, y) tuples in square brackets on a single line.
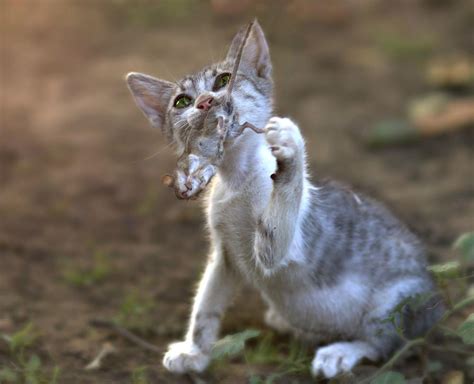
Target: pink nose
[(205, 103)]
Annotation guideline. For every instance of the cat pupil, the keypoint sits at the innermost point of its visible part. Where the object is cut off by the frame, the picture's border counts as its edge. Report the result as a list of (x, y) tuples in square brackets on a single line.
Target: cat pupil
[(182, 101), (221, 81)]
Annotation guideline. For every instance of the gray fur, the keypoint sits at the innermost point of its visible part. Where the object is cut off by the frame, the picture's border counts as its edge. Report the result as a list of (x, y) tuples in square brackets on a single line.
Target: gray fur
[(331, 264)]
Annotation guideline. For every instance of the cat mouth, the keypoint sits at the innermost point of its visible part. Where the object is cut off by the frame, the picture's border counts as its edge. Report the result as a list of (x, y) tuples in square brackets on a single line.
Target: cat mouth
[(211, 133)]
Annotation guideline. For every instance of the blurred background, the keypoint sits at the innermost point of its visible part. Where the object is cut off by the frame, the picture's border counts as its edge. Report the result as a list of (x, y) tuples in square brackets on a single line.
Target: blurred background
[(382, 92)]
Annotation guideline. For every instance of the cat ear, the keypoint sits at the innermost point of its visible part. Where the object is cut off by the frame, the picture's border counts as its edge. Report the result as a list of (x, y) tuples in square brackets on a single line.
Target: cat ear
[(152, 96), (256, 54)]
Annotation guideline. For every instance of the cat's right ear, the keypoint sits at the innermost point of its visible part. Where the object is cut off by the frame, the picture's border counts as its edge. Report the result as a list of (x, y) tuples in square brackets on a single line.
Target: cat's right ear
[(152, 96), (256, 54)]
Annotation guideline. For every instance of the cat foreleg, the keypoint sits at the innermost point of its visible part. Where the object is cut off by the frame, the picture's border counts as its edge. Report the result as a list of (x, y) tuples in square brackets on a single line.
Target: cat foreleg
[(277, 225), (214, 294)]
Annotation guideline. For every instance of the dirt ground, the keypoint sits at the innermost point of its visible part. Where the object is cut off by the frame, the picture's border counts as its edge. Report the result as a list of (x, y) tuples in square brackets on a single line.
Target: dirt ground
[(80, 168)]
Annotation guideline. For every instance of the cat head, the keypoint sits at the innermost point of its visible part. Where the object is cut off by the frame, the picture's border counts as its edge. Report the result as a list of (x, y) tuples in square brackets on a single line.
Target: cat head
[(179, 109)]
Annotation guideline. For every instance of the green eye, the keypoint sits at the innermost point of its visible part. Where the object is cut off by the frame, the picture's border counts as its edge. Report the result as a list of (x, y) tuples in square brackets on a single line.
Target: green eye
[(221, 81), (182, 101)]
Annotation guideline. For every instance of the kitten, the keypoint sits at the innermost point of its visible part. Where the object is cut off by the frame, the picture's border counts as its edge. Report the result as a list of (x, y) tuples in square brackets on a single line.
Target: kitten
[(332, 265)]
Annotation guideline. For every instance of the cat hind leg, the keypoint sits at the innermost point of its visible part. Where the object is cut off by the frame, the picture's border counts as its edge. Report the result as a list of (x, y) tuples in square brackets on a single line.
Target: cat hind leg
[(338, 358)]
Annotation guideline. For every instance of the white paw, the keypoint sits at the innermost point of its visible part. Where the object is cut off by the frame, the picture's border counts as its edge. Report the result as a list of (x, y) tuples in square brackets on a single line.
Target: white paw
[(339, 358), (284, 138), (185, 357)]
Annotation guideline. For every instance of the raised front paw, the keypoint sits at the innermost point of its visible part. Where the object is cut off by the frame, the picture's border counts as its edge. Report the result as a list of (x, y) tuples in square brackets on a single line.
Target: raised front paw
[(284, 138), (185, 357)]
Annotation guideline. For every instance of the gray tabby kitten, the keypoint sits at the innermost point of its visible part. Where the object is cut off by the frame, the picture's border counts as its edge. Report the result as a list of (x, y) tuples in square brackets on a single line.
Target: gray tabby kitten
[(332, 265)]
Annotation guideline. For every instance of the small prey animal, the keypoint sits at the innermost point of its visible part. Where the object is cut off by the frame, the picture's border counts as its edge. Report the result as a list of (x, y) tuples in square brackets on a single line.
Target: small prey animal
[(331, 265)]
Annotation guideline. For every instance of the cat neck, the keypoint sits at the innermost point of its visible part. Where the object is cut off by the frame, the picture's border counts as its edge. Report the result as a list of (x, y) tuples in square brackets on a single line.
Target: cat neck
[(241, 159)]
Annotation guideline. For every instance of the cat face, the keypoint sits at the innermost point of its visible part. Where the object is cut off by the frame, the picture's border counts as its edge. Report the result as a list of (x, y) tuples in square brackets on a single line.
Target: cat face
[(186, 111)]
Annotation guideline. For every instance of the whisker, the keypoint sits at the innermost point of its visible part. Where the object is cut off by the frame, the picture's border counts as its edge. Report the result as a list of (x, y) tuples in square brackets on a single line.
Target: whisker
[(167, 146)]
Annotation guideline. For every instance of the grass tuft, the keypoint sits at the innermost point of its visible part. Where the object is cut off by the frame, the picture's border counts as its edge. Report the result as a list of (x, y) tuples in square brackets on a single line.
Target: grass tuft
[(87, 276), (400, 47), (135, 313), (140, 375), (25, 367)]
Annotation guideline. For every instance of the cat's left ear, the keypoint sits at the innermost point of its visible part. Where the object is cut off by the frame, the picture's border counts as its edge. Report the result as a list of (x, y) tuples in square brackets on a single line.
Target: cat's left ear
[(256, 54), (152, 96)]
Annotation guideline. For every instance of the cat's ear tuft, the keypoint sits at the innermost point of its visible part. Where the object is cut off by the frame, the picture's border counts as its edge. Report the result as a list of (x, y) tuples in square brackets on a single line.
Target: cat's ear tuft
[(151, 95), (256, 53)]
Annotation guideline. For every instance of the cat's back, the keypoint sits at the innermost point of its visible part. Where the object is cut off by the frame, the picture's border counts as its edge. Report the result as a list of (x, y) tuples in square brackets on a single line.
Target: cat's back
[(361, 234)]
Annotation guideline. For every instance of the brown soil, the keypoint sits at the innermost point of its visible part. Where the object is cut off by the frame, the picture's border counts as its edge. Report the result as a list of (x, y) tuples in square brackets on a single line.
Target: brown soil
[(80, 168)]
